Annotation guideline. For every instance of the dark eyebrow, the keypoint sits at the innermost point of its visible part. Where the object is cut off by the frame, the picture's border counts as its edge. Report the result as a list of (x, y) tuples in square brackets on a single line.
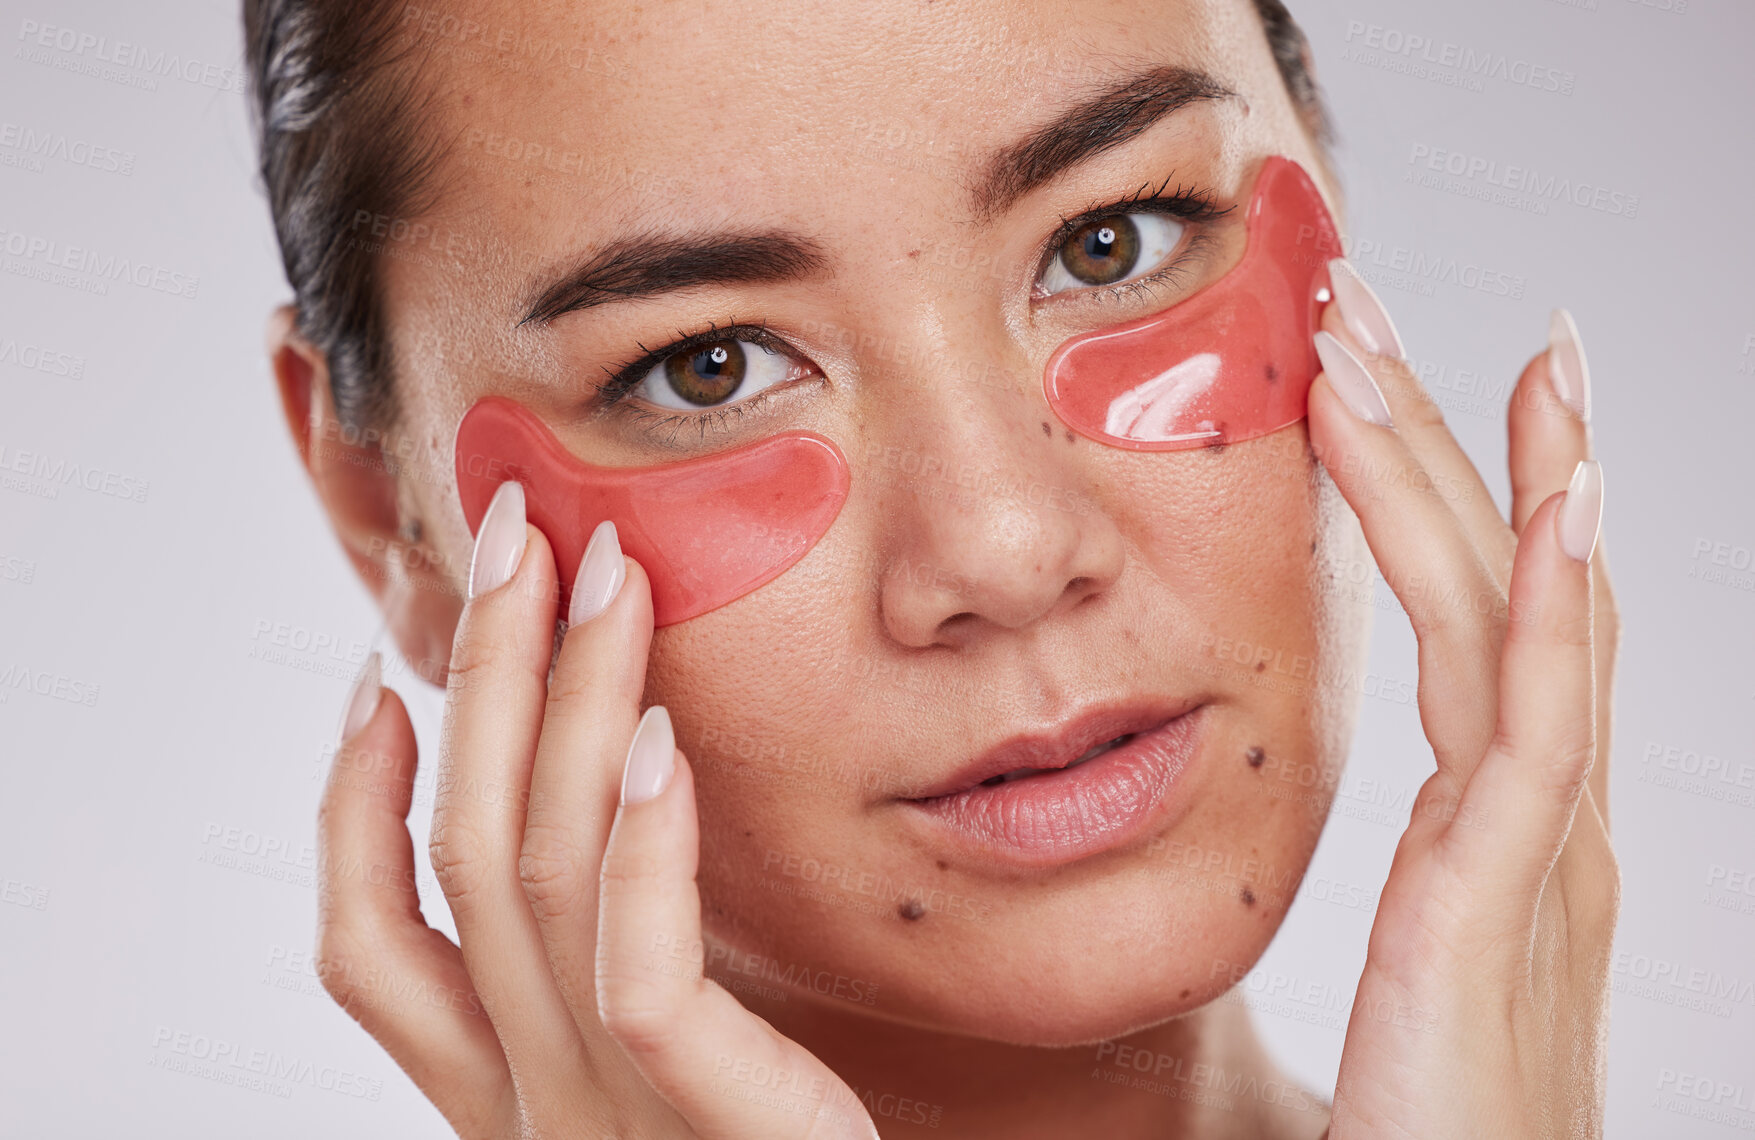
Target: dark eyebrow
[(1093, 125), (634, 267)]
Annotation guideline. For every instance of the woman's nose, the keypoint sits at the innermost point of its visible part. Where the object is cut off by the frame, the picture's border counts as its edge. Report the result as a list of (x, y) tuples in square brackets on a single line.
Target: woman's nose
[(1007, 538)]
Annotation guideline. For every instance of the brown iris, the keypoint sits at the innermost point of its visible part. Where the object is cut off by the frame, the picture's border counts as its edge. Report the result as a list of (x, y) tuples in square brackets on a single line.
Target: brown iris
[(1102, 251), (709, 374)]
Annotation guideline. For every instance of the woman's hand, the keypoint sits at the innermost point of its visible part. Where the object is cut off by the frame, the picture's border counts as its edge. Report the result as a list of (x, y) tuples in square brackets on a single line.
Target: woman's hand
[(576, 1005), (1483, 1007)]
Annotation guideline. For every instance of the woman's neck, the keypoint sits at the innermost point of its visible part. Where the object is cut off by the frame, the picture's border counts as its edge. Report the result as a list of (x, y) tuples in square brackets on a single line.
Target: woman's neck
[(1204, 1075)]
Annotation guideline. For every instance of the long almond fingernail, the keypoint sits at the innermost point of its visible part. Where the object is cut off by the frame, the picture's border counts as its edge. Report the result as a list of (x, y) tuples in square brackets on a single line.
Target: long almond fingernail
[(362, 699), (600, 577), (1567, 369), (1580, 518), (1362, 313), (499, 544), (651, 757), (1352, 381)]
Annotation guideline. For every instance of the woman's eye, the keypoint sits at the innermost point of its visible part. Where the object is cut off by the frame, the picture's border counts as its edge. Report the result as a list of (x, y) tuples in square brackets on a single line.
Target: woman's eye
[(1111, 250), (711, 375)]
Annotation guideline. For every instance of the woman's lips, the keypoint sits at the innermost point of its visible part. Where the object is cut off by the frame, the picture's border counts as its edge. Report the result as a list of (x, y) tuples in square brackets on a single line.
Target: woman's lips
[(1058, 805)]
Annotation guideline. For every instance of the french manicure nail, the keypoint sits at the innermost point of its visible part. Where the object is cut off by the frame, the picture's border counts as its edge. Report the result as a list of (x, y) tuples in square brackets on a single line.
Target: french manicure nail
[(651, 757), (1581, 513), (1362, 313), (362, 699), (499, 544), (600, 577), (1352, 381), (1567, 369)]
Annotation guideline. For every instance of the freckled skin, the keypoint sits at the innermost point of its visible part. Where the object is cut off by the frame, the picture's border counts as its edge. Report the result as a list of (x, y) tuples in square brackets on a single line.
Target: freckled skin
[(832, 663)]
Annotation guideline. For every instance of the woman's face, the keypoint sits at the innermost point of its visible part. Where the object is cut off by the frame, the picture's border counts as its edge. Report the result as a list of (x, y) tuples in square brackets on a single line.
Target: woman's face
[(991, 576)]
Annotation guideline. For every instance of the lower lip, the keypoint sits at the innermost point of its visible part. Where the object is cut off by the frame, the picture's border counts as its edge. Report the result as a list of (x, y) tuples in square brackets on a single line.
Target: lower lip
[(1060, 816)]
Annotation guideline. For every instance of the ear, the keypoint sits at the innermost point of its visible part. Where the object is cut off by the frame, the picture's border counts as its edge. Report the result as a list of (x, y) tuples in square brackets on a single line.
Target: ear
[(370, 507)]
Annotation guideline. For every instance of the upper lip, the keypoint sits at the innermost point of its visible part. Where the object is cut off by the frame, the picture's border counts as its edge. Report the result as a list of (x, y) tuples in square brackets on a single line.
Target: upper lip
[(1060, 747)]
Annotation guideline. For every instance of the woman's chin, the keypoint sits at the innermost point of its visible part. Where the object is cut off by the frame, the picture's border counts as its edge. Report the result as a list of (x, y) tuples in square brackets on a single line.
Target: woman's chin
[(1056, 1005)]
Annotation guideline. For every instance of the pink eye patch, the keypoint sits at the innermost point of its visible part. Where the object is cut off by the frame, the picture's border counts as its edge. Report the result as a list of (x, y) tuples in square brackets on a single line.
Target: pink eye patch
[(707, 531), (1232, 362)]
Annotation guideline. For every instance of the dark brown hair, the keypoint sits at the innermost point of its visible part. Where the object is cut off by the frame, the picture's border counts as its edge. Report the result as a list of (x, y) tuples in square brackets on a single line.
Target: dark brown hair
[(338, 111)]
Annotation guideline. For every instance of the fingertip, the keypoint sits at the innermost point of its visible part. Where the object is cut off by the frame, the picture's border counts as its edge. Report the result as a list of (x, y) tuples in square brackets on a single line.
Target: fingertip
[(1568, 369), (1550, 588), (651, 758), (536, 571), (362, 698), (636, 585), (1351, 381), (1579, 518), (1545, 440), (597, 581), (378, 760), (1332, 426), (1534, 393)]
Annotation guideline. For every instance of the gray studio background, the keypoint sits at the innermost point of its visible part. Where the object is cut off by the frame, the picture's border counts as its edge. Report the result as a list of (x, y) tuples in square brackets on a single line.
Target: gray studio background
[(178, 628)]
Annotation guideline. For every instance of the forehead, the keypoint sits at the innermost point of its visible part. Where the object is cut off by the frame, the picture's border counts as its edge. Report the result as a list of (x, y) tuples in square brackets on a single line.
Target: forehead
[(594, 114)]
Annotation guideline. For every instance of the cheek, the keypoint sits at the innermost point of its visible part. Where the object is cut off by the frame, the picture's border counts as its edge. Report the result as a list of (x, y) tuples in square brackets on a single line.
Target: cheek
[(757, 694), (1231, 551), (1232, 536)]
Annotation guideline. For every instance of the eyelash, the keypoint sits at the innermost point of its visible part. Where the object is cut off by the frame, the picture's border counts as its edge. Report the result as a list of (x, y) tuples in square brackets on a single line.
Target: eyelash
[(1194, 205), (624, 378), (1190, 205)]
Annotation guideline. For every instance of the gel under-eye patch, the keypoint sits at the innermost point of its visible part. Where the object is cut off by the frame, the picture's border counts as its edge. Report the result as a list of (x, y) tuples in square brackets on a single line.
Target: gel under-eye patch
[(1232, 362), (707, 530)]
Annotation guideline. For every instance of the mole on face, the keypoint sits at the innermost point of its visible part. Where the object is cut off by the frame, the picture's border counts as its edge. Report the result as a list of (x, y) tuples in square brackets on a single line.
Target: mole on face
[(1069, 435), (912, 910), (1248, 897), (1255, 755), (943, 866), (1046, 430)]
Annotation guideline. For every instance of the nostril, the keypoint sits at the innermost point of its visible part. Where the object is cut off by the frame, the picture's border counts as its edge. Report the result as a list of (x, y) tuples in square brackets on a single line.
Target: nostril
[(1084, 588)]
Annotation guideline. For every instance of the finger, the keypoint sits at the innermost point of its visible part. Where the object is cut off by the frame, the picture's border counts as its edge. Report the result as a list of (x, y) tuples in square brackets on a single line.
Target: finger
[(399, 978), (593, 707), (497, 683), (1424, 552), (1548, 435), (1529, 783), (1549, 429), (1358, 320), (728, 1072)]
